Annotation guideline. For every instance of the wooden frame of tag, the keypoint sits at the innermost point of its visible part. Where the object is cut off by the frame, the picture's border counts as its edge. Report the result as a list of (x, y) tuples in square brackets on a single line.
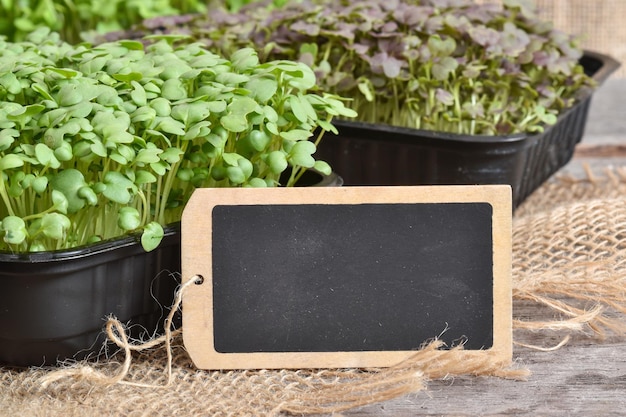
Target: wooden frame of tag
[(198, 299)]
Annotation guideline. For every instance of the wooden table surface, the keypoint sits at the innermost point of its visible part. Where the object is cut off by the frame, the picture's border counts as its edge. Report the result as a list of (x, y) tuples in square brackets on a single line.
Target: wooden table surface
[(586, 377), (583, 378)]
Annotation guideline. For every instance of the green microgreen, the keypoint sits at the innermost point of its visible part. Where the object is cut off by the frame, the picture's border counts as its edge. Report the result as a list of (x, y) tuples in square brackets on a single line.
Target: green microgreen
[(78, 20), (93, 150)]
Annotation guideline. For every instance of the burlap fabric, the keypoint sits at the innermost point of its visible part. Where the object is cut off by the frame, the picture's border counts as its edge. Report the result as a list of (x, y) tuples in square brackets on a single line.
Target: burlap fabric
[(569, 259)]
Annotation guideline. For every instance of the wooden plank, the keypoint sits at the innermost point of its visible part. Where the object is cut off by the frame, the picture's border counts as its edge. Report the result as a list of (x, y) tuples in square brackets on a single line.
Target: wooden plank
[(582, 379)]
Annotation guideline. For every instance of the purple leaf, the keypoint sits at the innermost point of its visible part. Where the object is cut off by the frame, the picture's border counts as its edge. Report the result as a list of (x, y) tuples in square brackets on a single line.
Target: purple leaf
[(310, 29), (390, 27), (385, 64), (526, 7), (513, 40), (434, 24), (307, 58), (482, 13), (345, 30), (359, 48), (484, 36), (444, 97), (391, 46), (411, 15), (392, 67)]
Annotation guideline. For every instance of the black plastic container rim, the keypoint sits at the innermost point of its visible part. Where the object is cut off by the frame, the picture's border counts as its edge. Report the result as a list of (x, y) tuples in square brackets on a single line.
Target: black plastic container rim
[(607, 66), (317, 179), (170, 236)]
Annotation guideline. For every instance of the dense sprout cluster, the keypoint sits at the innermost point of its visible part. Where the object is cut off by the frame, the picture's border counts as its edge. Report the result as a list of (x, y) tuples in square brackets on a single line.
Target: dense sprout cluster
[(79, 19), (99, 141), (449, 65)]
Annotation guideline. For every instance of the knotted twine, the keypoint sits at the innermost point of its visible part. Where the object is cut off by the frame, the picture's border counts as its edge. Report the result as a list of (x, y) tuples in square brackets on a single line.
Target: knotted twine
[(568, 278)]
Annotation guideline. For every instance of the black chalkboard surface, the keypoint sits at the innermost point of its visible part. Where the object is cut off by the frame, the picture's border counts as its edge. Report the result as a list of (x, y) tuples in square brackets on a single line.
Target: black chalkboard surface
[(350, 276), (314, 277)]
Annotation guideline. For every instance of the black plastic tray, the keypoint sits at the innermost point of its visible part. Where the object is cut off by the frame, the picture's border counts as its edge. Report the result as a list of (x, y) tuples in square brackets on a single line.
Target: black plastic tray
[(53, 305), (374, 154)]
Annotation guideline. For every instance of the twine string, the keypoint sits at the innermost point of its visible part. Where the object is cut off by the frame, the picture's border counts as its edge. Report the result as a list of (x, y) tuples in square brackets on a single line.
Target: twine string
[(117, 334)]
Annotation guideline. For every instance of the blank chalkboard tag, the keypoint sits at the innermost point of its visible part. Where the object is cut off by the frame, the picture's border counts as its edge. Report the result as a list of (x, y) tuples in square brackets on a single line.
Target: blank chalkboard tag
[(334, 277)]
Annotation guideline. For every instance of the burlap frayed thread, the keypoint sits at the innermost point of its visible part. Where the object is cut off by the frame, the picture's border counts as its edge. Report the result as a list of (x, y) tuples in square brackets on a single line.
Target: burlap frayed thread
[(569, 251), (429, 363), (569, 279), (312, 392)]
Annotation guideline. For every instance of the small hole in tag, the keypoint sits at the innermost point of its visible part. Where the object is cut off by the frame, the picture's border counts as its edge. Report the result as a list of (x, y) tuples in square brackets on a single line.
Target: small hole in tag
[(199, 280)]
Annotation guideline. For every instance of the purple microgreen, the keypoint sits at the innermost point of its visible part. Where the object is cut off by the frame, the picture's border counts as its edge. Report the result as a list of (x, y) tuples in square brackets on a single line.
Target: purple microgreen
[(444, 97), (514, 40), (310, 29), (484, 36), (493, 57), (412, 15), (526, 7)]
